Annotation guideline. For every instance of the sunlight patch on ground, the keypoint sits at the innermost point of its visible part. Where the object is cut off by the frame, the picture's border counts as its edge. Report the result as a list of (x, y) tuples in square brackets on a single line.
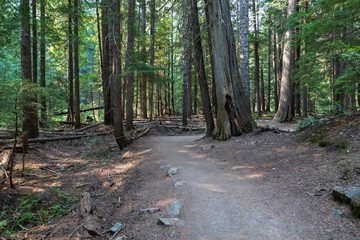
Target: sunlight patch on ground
[(211, 187), (133, 154), (245, 177), (243, 167)]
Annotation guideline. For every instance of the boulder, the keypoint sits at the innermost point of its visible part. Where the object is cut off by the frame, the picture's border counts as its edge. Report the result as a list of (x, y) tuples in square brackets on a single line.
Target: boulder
[(345, 194), (174, 208)]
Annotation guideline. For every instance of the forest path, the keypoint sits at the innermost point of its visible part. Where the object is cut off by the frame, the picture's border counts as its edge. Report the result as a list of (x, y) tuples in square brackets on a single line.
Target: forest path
[(250, 187), (219, 202)]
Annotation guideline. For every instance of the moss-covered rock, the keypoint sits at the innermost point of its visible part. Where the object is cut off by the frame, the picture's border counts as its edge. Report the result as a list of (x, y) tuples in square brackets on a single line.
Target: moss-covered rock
[(355, 205)]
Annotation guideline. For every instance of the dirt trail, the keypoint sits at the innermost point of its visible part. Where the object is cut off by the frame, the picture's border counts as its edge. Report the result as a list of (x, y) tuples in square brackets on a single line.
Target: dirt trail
[(232, 193)]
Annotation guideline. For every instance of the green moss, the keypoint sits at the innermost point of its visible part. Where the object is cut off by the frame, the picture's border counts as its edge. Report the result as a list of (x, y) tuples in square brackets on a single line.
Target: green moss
[(355, 205), (342, 145)]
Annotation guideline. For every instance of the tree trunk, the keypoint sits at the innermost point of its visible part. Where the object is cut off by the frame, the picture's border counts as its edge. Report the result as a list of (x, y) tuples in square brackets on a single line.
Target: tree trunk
[(118, 126), (128, 62), (76, 63), (275, 70), (244, 47), (268, 70), (70, 63), (233, 111), (200, 67), (262, 90), (34, 42), (284, 112), (186, 63), (152, 56), (143, 81), (30, 123), (256, 56), (106, 62), (43, 118)]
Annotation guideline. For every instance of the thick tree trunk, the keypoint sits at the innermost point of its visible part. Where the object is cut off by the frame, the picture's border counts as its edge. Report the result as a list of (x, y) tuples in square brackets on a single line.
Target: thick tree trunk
[(70, 63), (200, 67), (244, 47), (152, 56), (256, 56), (233, 112), (76, 63), (118, 126), (29, 122), (128, 62), (284, 112), (43, 118)]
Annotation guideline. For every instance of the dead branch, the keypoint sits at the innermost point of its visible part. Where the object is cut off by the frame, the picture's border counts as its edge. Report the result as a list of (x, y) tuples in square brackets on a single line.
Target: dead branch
[(82, 110), (54, 139), (88, 127)]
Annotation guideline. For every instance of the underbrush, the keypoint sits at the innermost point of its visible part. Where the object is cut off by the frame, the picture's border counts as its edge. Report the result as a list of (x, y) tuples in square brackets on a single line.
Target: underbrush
[(34, 209)]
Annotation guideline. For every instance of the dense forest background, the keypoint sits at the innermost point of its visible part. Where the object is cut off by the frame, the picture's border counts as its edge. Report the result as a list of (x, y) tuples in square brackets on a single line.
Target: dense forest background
[(141, 57)]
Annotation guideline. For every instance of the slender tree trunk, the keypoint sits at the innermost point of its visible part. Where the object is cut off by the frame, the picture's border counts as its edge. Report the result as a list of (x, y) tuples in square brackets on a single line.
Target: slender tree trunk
[(29, 122), (172, 67), (106, 61), (43, 118), (34, 42), (70, 62), (275, 71), (262, 90), (186, 63), (244, 47), (297, 82), (128, 62), (143, 82), (118, 126), (152, 56), (256, 55), (284, 112), (200, 67), (233, 111), (268, 71), (76, 63)]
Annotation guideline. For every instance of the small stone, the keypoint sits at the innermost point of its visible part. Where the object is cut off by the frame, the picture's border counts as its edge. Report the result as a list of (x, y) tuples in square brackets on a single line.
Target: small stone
[(172, 171), (212, 146), (62, 168), (174, 208), (117, 226), (178, 184), (170, 221), (165, 166), (120, 238), (150, 210), (336, 213)]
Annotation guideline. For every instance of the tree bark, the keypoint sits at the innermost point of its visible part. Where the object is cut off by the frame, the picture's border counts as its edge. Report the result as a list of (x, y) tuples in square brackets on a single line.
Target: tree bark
[(76, 63), (256, 56), (118, 126), (143, 83), (200, 67), (70, 63), (43, 118), (128, 63), (284, 112), (29, 121), (34, 42), (106, 62), (244, 47), (233, 112), (262, 87), (268, 102), (152, 56), (275, 71), (186, 63)]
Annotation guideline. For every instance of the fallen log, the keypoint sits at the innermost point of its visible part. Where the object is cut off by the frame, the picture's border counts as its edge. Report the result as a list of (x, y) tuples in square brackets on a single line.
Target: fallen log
[(54, 139), (88, 127), (82, 110)]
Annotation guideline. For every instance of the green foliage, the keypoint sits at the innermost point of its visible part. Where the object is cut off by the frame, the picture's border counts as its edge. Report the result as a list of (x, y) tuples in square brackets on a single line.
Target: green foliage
[(307, 122), (34, 210)]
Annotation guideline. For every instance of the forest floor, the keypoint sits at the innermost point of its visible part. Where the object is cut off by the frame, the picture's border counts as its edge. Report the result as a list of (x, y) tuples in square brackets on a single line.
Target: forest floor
[(262, 185)]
